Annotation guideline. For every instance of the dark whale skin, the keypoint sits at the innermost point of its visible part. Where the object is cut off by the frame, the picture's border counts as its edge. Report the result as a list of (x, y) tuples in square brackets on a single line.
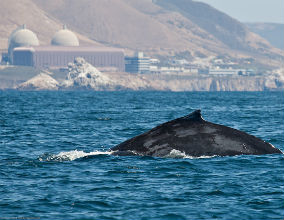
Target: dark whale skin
[(195, 137)]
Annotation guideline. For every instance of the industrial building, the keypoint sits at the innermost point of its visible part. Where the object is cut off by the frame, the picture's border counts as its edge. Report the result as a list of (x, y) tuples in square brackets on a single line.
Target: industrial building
[(24, 49), (137, 64), (230, 71), (58, 56)]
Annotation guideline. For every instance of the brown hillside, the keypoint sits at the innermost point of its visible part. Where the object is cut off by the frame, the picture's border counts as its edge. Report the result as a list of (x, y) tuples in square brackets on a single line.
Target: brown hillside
[(158, 27), (15, 13), (165, 27), (134, 24), (223, 27)]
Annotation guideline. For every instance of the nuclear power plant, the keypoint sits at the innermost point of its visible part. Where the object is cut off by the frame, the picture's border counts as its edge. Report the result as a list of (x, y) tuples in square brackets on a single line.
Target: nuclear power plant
[(24, 49)]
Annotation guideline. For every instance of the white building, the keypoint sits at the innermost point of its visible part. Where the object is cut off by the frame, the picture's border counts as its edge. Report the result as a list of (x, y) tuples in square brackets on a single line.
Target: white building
[(218, 71)]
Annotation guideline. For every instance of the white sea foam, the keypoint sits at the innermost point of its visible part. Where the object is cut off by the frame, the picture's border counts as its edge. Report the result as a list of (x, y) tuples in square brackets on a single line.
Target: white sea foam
[(178, 154), (75, 154), (71, 155)]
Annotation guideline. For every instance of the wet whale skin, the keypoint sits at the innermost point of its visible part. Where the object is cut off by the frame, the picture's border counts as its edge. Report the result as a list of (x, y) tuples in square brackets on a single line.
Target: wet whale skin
[(195, 137)]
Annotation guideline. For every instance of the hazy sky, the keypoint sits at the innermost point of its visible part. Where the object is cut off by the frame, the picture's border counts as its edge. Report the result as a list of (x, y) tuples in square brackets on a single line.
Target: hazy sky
[(251, 10)]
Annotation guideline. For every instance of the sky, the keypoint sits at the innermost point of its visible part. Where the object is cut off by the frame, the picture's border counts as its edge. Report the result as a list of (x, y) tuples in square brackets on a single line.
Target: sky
[(251, 10)]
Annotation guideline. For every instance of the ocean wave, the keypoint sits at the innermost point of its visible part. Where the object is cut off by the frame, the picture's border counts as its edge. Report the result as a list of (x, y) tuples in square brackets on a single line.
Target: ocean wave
[(71, 155)]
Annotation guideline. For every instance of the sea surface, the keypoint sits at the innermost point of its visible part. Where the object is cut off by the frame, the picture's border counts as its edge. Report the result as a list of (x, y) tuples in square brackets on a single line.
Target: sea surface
[(55, 164)]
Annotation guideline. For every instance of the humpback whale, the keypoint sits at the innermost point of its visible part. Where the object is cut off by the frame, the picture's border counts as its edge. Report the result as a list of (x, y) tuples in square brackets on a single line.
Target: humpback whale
[(195, 137)]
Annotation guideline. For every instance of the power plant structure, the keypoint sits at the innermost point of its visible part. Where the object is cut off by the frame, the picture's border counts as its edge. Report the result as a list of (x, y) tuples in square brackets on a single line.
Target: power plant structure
[(137, 64), (24, 49)]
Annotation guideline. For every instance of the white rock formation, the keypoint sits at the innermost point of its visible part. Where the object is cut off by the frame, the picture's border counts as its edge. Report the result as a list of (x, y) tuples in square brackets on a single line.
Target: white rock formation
[(42, 81), (82, 75)]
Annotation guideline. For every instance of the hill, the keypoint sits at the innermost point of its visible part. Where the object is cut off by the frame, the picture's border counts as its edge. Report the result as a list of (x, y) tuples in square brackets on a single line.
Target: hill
[(15, 13), (161, 28), (272, 32)]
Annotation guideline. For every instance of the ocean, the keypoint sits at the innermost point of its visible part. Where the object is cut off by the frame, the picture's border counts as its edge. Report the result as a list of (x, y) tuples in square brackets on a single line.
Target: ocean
[(55, 164)]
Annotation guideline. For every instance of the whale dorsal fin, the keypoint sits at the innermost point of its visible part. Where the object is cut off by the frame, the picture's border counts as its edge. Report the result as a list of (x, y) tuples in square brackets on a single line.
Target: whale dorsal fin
[(194, 116)]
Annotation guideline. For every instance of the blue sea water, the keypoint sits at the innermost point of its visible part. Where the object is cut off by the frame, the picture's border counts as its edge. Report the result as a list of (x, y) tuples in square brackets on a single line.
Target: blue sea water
[(54, 162)]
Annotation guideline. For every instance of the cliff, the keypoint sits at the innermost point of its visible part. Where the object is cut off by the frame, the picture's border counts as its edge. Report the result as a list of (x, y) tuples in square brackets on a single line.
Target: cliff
[(83, 76)]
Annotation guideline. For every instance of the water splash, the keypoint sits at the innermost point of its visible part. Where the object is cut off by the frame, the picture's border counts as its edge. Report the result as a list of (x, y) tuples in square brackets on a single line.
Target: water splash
[(71, 155), (178, 154), (75, 154)]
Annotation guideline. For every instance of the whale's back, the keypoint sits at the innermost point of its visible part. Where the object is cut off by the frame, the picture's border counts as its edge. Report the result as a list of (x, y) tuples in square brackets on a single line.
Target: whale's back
[(195, 137)]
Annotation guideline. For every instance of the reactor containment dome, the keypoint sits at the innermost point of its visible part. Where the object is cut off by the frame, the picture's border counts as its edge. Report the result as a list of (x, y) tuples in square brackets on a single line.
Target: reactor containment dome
[(65, 37), (22, 37), (24, 50)]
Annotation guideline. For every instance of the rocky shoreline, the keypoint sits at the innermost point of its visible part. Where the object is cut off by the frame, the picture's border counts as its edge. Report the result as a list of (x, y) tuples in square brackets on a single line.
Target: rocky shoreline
[(83, 76)]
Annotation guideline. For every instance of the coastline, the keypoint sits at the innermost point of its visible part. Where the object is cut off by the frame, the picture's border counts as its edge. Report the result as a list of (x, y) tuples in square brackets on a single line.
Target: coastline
[(19, 78)]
